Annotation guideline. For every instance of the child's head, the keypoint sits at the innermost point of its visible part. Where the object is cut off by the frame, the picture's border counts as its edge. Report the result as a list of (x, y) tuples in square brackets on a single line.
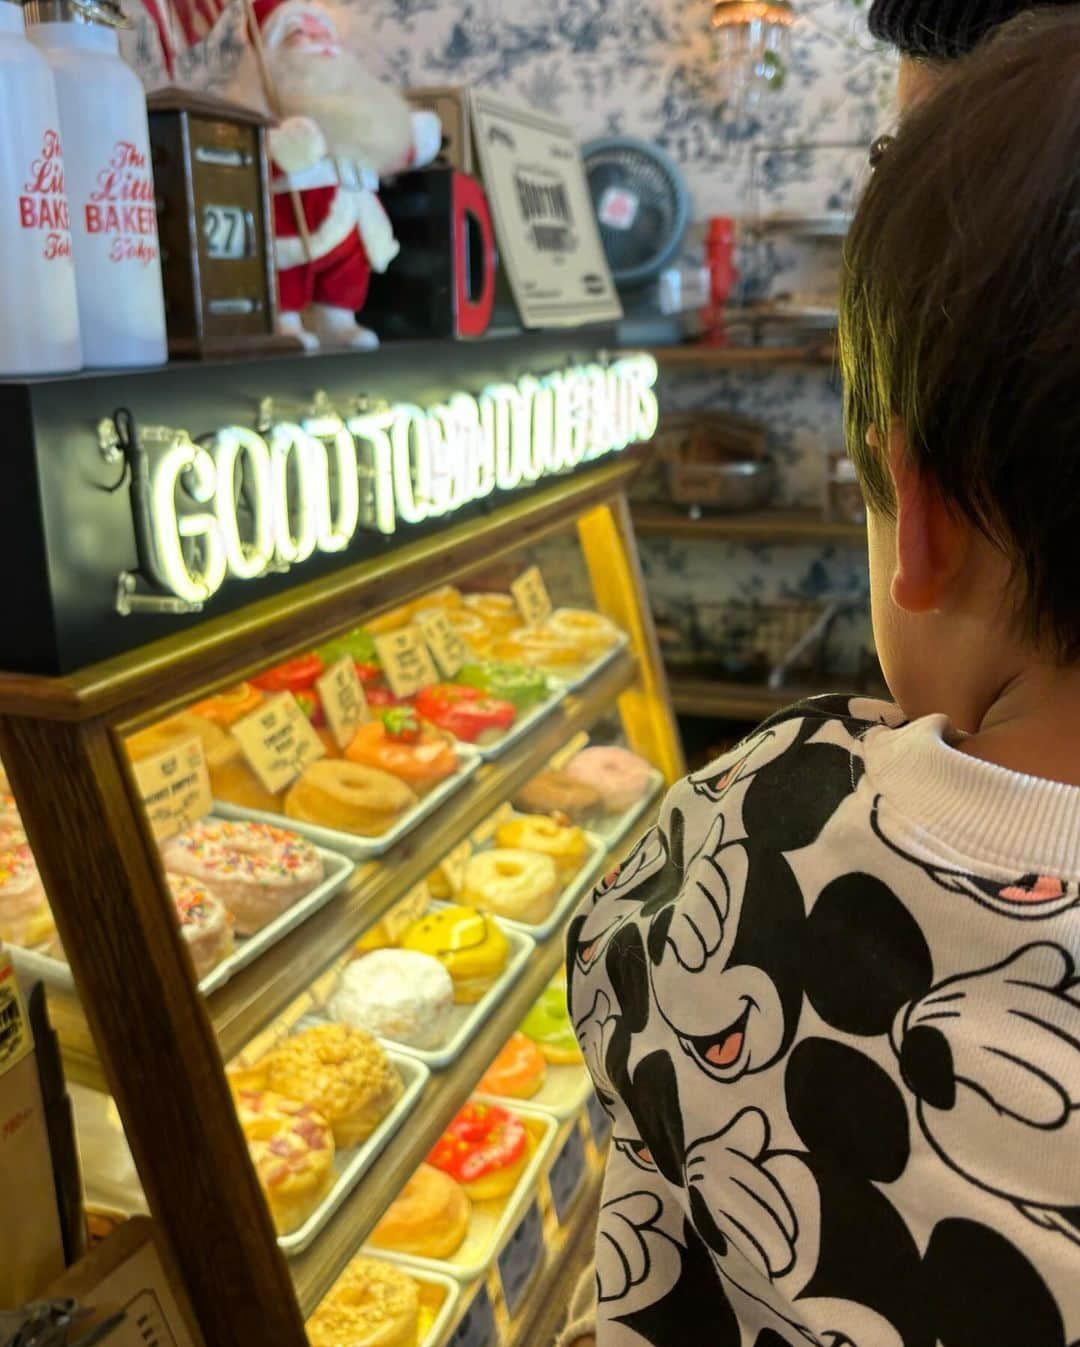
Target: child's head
[(960, 346)]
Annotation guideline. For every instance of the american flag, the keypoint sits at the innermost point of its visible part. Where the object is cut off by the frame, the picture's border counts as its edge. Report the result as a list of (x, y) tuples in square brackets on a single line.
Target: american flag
[(182, 24)]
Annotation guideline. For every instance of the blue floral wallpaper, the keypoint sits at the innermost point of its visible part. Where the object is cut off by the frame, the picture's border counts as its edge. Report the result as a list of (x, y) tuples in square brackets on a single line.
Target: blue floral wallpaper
[(621, 66)]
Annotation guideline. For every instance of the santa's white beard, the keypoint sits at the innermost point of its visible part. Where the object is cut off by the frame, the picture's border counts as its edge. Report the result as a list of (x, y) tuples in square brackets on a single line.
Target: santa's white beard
[(361, 118)]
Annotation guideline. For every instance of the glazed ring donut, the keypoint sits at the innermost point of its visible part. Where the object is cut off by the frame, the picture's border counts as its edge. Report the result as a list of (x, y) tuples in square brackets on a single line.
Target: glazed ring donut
[(555, 792), (620, 776), (349, 797), (518, 1072), (540, 648), (568, 847), (428, 1219), (592, 633), (258, 871), (520, 885), (372, 1304), (499, 611)]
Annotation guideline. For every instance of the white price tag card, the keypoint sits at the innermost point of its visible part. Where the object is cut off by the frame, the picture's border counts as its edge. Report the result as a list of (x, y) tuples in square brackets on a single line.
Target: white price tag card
[(531, 596), (448, 648), (343, 699), (175, 788), (406, 661), (279, 742)]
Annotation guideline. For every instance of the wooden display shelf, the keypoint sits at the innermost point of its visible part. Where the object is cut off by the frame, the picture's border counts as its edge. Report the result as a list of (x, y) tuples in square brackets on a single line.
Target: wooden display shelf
[(821, 352), (777, 526), (316, 1270), (714, 699), (247, 1003)]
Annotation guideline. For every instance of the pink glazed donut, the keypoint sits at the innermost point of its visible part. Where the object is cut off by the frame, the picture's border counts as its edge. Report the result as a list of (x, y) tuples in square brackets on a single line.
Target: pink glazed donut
[(621, 777), (258, 871)]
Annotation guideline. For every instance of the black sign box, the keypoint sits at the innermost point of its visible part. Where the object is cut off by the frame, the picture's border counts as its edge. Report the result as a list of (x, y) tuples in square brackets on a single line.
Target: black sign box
[(67, 529)]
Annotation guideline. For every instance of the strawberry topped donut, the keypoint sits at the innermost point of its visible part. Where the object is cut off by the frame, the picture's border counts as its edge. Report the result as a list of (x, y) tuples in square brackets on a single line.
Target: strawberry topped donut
[(258, 871)]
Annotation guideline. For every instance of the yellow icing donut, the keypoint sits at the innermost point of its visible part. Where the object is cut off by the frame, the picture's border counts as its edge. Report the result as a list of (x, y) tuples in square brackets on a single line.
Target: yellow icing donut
[(521, 885), (470, 946), (567, 847)]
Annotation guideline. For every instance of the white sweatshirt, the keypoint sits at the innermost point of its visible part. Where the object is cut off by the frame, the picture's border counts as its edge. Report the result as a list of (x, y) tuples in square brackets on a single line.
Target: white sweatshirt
[(831, 1005)]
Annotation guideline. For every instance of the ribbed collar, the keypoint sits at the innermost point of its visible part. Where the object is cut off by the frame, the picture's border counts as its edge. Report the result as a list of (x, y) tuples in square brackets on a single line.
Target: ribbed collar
[(977, 808)]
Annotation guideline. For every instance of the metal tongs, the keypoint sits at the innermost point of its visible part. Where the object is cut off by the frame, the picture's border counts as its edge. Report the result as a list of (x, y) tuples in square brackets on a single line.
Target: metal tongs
[(45, 1323)]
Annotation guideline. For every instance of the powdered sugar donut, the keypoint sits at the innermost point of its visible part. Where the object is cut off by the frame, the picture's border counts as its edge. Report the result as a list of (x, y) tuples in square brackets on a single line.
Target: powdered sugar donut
[(25, 918), (396, 994), (620, 776), (204, 923), (258, 871)]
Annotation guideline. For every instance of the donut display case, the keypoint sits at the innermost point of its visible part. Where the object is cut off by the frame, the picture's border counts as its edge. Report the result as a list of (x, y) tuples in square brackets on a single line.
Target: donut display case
[(292, 840)]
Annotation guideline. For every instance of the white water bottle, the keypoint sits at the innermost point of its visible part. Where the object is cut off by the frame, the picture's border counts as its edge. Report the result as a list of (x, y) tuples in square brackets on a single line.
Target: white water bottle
[(39, 316), (110, 181)]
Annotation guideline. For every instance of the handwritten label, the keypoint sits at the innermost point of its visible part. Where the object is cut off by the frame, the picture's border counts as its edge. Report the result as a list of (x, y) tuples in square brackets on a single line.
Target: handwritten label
[(531, 596), (477, 1326), (453, 867), (175, 788), (343, 699), (599, 1122), (522, 1258), (15, 1037), (567, 1174), (279, 742), (406, 661), (445, 644)]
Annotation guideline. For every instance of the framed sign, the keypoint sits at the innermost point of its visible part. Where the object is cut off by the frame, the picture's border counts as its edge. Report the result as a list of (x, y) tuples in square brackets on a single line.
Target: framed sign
[(544, 222)]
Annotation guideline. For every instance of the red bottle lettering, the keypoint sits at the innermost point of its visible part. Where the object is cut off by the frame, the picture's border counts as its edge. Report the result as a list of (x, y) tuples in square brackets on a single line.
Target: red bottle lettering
[(47, 171), (27, 212)]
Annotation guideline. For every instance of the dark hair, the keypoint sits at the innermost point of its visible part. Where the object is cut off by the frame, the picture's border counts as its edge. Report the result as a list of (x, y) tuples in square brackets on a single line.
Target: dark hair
[(939, 30), (961, 309)]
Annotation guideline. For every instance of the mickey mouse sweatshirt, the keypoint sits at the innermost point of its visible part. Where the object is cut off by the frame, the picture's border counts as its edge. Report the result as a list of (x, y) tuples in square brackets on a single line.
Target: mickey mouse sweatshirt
[(831, 1006)]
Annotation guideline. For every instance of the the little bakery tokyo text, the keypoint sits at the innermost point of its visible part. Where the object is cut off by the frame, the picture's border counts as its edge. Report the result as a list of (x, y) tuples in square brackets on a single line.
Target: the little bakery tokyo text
[(242, 503)]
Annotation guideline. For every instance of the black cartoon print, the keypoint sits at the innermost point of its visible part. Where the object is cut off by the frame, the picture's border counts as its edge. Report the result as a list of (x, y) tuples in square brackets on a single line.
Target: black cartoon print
[(758, 997)]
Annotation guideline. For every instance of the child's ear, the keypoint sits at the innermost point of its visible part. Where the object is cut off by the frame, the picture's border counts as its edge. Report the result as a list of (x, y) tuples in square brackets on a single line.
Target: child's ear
[(931, 544)]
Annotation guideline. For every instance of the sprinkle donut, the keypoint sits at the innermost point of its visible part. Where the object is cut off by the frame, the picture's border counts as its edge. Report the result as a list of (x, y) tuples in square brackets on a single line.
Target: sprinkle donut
[(258, 871), (25, 919), (204, 923)]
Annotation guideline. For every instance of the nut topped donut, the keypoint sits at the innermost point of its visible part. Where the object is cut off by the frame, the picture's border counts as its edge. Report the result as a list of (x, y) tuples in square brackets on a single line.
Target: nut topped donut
[(342, 1072), (257, 870), (372, 1304)]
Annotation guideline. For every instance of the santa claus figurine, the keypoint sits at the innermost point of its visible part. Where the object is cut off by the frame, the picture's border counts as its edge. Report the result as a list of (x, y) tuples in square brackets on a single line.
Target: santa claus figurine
[(341, 131)]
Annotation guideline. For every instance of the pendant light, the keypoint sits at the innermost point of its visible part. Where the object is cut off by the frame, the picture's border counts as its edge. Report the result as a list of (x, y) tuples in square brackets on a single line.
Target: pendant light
[(753, 38)]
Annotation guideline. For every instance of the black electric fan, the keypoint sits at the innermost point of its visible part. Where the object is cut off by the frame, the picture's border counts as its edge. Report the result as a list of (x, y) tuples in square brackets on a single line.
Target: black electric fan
[(642, 206)]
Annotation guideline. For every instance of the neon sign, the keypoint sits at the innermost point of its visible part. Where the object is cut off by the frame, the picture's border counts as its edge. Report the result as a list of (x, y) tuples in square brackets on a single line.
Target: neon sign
[(240, 504)]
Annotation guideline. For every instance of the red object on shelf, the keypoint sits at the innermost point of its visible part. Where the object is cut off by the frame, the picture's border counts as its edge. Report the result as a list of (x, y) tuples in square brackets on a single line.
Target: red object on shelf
[(720, 258)]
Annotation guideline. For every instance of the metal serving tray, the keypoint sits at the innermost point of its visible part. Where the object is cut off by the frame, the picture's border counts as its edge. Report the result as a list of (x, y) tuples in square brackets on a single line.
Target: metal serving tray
[(338, 868)]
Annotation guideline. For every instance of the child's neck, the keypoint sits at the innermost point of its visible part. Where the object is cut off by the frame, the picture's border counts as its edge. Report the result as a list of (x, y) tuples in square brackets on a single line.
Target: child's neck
[(1033, 725)]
